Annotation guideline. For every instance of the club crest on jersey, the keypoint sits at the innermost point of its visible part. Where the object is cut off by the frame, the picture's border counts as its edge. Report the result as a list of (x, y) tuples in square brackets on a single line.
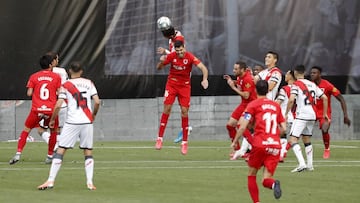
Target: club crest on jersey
[(185, 61)]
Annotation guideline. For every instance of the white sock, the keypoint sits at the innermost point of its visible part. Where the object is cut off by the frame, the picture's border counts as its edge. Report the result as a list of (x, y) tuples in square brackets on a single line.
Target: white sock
[(298, 153), (283, 146), (89, 170), (245, 145), (45, 136), (54, 169), (309, 155)]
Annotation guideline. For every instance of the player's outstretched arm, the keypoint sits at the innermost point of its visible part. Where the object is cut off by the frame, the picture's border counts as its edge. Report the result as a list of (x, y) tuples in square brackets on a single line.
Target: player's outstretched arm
[(204, 70), (96, 100), (341, 99)]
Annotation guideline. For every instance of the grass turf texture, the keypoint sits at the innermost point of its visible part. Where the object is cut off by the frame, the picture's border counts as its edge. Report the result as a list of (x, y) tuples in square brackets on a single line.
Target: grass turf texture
[(135, 172)]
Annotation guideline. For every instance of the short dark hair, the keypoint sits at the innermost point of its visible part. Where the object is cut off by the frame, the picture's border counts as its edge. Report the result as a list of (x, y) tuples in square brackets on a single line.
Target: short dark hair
[(76, 66), (317, 68), (169, 32), (45, 61), (300, 69), (292, 74), (262, 87), (276, 55), (178, 43), (53, 54), (242, 64)]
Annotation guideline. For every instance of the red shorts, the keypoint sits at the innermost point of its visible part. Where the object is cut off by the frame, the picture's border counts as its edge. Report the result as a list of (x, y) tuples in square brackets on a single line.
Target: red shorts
[(321, 122), (34, 117), (236, 114), (259, 157), (177, 89)]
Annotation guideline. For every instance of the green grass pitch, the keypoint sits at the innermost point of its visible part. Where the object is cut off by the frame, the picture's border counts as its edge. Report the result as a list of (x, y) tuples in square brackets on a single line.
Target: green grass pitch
[(134, 172)]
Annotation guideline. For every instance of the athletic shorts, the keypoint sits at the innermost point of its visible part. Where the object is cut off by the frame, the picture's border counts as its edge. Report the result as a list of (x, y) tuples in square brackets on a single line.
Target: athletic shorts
[(175, 89), (260, 156), (35, 118), (70, 134), (321, 122), (236, 114), (302, 127)]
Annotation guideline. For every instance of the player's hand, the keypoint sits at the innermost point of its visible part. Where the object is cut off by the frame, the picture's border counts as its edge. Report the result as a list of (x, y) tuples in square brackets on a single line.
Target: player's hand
[(227, 77), (161, 50), (233, 145), (347, 121), (52, 124), (162, 58), (205, 84)]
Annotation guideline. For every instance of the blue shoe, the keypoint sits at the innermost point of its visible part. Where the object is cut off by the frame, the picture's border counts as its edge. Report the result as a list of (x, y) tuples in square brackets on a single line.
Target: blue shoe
[(179, 137)]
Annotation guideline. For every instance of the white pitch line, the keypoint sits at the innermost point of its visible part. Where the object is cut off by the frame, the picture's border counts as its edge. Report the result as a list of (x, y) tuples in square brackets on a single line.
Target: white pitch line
[(161, 167)]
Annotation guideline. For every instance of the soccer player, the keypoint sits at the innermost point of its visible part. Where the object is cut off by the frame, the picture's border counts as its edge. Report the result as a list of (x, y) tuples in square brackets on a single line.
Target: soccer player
[(178, 85), (78, 91), (42, 130), (172, 35), (272, 74), (42, 88), (328, 89), (245, 87), (305, 93), (257, 69), (265, 141)]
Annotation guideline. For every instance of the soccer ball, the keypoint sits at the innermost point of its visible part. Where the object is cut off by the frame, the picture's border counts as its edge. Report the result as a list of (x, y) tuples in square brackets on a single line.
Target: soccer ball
[(164, 23)]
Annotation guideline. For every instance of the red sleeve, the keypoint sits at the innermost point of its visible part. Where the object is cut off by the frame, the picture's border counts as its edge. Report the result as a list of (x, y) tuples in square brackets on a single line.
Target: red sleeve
[(169, 58), (30, 83), (334, 91), (193, 58)]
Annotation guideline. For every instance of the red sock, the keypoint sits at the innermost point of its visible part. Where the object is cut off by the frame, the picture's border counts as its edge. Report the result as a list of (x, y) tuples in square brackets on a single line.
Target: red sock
[(232, 134), (52, 142), (253, 188), (288, 146), (185, 126), (326, 140), (163, 123), (268, 183), (22, 141)]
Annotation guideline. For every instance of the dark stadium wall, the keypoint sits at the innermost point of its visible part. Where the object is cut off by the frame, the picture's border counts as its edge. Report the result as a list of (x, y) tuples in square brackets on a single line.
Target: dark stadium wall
[(117, 40)]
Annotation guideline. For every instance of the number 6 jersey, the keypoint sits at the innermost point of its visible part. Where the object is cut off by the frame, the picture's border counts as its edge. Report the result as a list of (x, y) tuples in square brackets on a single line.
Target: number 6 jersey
[(78, 92), (45, 84)]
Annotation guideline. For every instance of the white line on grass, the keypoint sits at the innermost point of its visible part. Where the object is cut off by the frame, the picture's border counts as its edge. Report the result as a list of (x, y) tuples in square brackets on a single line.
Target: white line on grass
[(163, 167)]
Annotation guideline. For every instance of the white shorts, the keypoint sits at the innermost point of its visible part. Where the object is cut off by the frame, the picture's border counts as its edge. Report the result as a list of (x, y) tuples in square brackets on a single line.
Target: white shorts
[(301, 127), (70, 134)]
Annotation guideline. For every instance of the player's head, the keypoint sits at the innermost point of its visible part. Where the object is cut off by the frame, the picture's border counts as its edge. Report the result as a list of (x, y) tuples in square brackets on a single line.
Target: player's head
[(257, 69), (289, 76), (299, 71), (46, 62), (271, 59), (75, 69), (169, 33), (239, 68), (315, 73), (262, 87), (179, 48), (55, 57)]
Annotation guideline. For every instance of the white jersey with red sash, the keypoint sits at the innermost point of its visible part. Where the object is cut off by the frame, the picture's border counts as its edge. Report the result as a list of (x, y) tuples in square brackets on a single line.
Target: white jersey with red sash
[(78, 93), (284, 95), (274, 75), (306, 93)]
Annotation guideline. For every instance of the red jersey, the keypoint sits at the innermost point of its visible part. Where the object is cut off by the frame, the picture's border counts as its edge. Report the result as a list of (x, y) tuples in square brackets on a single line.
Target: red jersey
[(266, 115), (181, 67), (45, 84), (328, 89), (246, 83)]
